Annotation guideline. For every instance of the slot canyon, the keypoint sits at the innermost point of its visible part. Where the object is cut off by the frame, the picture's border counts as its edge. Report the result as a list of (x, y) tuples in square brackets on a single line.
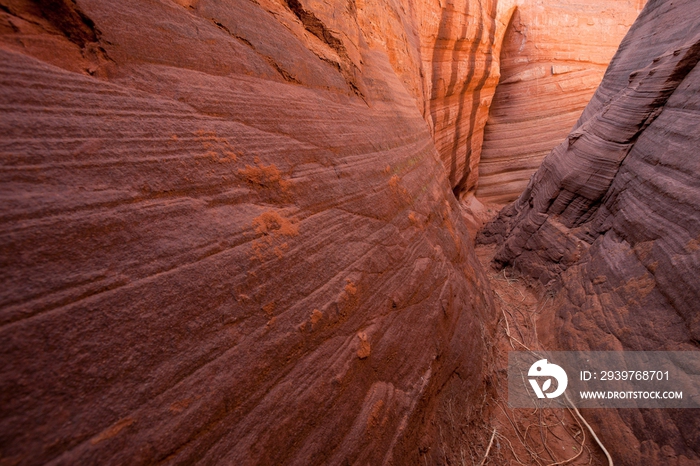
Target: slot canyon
[(294, 232)]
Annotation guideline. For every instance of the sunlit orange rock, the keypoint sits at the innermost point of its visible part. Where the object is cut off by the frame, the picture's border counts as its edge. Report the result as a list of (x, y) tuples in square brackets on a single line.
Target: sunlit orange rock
[(554, 55)]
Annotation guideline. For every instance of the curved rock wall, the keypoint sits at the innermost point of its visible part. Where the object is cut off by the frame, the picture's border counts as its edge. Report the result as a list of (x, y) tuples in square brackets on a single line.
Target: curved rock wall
[(553, 57), (460, 54), (226, 237), (447, 56), (611, 219)]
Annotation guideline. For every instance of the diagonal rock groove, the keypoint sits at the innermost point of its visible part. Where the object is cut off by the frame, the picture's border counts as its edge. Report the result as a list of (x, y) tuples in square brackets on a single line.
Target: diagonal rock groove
[(316, 27), (57, 18), (284, 73), (69, 19)]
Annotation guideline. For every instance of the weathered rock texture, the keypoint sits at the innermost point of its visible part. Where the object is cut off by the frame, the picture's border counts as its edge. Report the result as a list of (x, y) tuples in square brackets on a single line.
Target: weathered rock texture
[(446, 55), (612, 219), (552, 60), (460, 60), (226, 237)]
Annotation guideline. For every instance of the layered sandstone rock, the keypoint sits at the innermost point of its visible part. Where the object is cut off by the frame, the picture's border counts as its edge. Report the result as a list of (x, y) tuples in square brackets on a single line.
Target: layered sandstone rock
[(611, 218), (227, 237), (460, 61), (446, 55), (553, 57)]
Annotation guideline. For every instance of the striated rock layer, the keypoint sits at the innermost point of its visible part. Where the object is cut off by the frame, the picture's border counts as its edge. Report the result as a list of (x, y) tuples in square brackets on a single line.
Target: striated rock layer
[(611, 219), (226, 237), (460, 59), (553, 58), (447, 57)]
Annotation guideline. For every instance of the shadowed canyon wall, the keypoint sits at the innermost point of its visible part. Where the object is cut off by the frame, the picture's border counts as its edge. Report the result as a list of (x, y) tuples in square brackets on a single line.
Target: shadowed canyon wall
[(554, 54), (226, 238), (553, 57), (448, 58), (611, 221)]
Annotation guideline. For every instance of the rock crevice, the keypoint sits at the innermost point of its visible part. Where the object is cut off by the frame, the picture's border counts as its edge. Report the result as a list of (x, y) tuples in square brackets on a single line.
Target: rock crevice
[(215, 251)]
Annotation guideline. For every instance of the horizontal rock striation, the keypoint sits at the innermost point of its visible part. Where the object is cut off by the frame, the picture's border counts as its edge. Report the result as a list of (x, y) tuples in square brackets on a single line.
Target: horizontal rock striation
[(226, 238), (611, 219), (553, 58)]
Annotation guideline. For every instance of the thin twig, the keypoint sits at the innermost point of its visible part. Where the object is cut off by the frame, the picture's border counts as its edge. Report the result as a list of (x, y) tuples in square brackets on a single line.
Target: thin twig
[(488, 449), (590, 429), (522, 439), (512, 450), (508, 331), (543, 436)]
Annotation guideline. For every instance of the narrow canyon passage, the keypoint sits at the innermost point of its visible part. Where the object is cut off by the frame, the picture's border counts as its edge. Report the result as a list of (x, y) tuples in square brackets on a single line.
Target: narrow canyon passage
[(528, 436), (552, 59), (294, 232)]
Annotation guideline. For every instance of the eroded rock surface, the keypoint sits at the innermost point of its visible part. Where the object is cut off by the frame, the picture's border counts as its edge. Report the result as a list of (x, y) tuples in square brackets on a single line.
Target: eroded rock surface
[(226, 237), (461, 54), (611, 219), (553, 58)]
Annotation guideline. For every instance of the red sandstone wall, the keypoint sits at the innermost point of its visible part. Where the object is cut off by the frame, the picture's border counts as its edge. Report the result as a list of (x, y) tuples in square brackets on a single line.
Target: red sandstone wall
[(553, 58), (226, 237)]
